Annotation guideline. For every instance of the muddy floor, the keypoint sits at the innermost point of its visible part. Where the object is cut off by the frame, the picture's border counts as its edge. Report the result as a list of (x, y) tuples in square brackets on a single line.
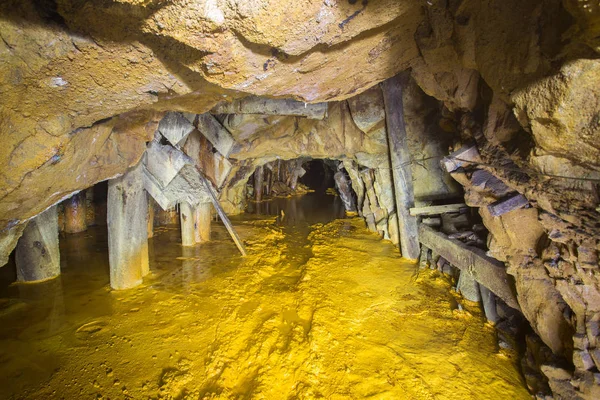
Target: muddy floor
[(316, 310)]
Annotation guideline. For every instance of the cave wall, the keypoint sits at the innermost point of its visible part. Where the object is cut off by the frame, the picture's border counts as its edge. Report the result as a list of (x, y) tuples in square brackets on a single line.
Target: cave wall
[(85, 83)]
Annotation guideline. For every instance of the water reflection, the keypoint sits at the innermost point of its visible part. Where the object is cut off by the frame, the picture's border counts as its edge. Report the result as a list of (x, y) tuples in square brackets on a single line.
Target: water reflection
[(301, 210)]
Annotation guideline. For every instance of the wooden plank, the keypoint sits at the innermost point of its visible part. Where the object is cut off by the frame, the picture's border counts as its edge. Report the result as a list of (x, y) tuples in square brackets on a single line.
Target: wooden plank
[(401, 169), (175, 127), (503, 206), (164, 162), (154, 190), (212, 129), (488, 271), (267, 106), (258, 183), (457, 159), (435, 210), (223, 216), (222, 168)]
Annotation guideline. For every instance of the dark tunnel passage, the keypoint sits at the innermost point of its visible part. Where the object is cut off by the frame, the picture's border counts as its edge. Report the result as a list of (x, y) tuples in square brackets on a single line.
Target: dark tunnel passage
[(319, 175)]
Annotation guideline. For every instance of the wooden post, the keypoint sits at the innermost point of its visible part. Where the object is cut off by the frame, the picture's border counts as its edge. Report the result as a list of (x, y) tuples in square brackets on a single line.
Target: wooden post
[(489, 305), (186, 216), (150, 216), (267, 106), (75, 213), (400, 161), (37, 256), (202, 220), (258, 183), (468, 286), (127, 229), (424, 259), (223, 216)]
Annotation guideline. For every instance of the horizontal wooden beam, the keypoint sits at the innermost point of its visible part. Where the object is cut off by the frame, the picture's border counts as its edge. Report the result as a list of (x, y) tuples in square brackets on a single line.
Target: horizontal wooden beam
[(264, 105), (488, 271), (464, 155), (503, 206), (433, 210)]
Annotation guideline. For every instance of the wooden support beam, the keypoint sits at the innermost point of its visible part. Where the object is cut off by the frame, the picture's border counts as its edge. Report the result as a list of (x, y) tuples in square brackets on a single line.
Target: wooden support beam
[(202, 221), (435, 210), (489, 305), (267, 106), (487, 271), (462, 156), (155, 191), (216, 133), (503, 206), (223, 216), (187, 223), (127, 229), (75, 213), (181, 173), (222, 168), (164, 162), (175, 127), (400, 160), (258, 183), (467, 286), (150, 217), (38, 256)]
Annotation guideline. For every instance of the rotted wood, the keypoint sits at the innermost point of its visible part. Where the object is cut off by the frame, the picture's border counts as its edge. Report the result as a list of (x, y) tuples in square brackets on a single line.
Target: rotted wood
[(259, 176), (175, 127), (400, 160), (435, 210), (463, 156), (216, 133), (503, 206), (487, 271), (267, 106), (223, 216)]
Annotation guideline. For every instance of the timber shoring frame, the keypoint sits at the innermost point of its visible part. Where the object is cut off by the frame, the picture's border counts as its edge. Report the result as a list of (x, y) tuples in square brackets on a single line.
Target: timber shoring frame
[(486, 270)]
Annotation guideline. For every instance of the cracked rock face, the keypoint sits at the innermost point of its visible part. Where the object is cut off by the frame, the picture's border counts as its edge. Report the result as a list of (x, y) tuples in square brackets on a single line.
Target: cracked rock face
[(68, 66), (84, 85)]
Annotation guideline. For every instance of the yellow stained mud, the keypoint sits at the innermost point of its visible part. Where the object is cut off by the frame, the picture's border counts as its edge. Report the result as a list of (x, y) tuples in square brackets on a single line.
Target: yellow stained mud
[(337, 315)]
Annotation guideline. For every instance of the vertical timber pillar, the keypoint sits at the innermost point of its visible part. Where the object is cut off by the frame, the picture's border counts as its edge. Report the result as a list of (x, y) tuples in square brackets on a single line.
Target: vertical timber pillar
[(150, 216), (202, 220), (75, 213), (400, 162), (186, 217), (37, 256), (127, 229), (258, 183)]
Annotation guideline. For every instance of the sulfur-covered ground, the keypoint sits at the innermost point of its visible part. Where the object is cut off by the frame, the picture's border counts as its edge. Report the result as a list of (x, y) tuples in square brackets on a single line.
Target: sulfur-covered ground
[(327, 311)]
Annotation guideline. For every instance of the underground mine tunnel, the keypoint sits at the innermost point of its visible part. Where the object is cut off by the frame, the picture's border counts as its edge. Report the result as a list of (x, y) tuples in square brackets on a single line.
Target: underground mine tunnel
[(235, 199)]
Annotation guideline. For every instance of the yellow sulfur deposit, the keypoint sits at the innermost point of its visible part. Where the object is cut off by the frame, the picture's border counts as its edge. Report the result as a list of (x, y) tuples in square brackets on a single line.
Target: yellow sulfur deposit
[(329, 311)]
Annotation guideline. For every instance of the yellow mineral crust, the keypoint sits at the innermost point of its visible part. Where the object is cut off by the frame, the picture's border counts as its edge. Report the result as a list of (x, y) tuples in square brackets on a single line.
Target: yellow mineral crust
[(334, 314)]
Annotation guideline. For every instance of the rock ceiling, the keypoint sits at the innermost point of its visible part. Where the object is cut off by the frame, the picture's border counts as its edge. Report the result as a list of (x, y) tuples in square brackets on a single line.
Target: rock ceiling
[(83, 84)]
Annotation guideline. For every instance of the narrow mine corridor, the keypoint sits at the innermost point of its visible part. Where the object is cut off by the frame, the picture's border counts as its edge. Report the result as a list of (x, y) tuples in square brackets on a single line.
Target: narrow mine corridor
[(276, 199)]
